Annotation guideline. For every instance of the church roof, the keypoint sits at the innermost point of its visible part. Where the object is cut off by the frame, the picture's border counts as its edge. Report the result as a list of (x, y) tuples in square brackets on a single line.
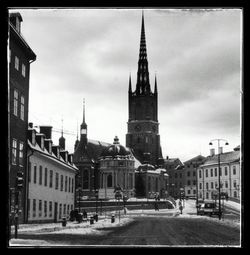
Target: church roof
[(197, 158), (116, 149)]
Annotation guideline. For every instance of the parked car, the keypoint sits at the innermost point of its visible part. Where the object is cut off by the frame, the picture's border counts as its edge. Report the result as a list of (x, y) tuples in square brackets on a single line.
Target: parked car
[(199, 202), (208, 208)]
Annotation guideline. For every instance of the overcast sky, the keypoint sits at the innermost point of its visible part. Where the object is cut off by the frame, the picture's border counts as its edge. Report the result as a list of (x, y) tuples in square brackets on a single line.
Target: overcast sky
[(89, 53)]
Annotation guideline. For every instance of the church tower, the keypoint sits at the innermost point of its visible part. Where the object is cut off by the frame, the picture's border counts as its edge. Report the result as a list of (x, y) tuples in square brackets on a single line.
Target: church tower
[(143, 126)]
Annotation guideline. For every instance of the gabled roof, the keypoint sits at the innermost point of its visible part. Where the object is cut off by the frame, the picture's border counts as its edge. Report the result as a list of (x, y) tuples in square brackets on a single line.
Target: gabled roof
[(227, 157), (51, 156), (197, 158)]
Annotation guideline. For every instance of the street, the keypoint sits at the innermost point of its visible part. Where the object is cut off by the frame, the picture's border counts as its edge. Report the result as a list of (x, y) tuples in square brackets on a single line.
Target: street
[(154, 231)]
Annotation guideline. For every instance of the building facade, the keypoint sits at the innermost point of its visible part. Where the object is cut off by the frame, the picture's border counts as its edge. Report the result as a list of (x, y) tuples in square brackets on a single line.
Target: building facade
[(176, 172), (190, 169), (117, 169), (230, 175), (51, 178), (20, 58), (143, 126)]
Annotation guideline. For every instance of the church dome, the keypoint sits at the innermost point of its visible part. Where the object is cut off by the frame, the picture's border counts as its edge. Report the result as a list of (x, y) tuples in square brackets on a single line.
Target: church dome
[(116, 150)]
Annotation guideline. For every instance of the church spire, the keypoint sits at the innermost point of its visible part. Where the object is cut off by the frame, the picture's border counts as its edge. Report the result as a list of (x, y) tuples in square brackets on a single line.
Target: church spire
[(130, 85), (142, 85), (62, 139), (155, 91), (84, 125)]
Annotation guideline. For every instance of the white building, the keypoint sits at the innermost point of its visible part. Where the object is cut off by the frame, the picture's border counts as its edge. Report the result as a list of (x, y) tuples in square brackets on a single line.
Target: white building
[(51, 178), (117, 169), (230, 175)]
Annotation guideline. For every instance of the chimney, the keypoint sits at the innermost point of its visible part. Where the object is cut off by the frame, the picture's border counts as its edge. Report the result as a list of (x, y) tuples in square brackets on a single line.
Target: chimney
[(56, 150), (15, 20), (46, 130), (212, 152), (48, 145), (30, 125), (167, 158)]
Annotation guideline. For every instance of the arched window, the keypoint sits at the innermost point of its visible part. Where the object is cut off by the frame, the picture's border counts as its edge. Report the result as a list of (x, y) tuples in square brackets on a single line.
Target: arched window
[(85, 179), (109, 184)]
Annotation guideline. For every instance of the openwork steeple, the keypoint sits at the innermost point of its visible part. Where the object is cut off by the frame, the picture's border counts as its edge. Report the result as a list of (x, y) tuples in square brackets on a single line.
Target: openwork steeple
[(143, 86)]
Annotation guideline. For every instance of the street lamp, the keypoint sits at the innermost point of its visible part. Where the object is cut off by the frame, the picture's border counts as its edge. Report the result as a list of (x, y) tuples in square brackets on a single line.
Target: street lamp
[(219, 171)]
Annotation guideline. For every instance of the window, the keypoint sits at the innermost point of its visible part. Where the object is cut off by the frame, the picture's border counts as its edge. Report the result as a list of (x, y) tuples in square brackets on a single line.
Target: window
[(68, 209), (235, 193), (109, 181), (34, 176), (220, 171), (66, 183), (45, 176), (215, 172), (194, 191), (50, 178), (149, 183), (22, 108), (200, 174), (15, 110), (188, 182), (85, 179), (60, 211), (72, 186), (16, 63), (234, 184), (29, 172), (34, 208), (61, 182), (225, 170), (206, 172), (194, 173), (212, 185), (211, 172), (234, 170), (14, 148), (20, 153), (206, 185), (189, 192), (45, 208), (28, 208), (40, 174), (194, 182), (226, 184), (64, 209), (57, 180), (23, 70), (69, 184), (40, 208), (188, 173), (207, 195), (50, 208), (180, 175)]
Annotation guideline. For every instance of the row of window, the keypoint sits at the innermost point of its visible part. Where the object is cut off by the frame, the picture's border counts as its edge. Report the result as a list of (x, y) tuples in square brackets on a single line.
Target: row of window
[(213, 185), (189, 182), (110, 183), (44, 209), (213, 172), (117, 163), (66, 183), (235, 195), (189, 192), (18, 107), (17, 65), (17, 148)]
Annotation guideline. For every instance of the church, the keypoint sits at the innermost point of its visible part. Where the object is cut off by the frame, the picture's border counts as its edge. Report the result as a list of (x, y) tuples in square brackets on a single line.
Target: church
[(104, 166), (143, 126)]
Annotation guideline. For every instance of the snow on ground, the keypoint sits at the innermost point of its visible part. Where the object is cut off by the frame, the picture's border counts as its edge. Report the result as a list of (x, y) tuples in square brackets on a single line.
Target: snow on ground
[(232, 204)]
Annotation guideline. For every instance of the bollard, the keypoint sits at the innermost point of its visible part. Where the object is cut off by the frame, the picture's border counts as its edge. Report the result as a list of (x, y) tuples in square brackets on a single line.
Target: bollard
[(64, 222), (112, 218), (91, 220)]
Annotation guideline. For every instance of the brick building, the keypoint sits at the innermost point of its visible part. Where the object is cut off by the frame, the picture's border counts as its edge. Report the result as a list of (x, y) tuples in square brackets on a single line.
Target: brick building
[(20, 58)]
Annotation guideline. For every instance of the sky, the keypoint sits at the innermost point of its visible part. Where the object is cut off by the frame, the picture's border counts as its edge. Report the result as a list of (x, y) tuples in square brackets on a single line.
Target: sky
[(89, 53)]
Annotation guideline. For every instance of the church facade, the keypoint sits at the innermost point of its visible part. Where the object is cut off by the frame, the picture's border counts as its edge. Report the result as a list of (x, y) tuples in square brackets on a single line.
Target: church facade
[(143, 126)]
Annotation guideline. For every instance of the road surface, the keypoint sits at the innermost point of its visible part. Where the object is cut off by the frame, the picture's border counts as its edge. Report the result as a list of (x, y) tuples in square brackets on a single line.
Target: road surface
[(154, 231)]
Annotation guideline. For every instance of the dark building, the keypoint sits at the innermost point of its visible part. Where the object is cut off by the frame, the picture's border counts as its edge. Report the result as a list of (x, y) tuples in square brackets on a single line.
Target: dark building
[(86, 156), (143, 126), (20, 58)]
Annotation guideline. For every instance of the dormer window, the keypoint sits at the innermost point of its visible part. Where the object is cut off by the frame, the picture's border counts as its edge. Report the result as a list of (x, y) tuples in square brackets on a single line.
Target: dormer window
[(42, 143)]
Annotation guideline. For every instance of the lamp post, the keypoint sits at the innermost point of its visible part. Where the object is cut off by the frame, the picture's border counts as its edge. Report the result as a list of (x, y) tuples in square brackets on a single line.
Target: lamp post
[(219, 171)]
